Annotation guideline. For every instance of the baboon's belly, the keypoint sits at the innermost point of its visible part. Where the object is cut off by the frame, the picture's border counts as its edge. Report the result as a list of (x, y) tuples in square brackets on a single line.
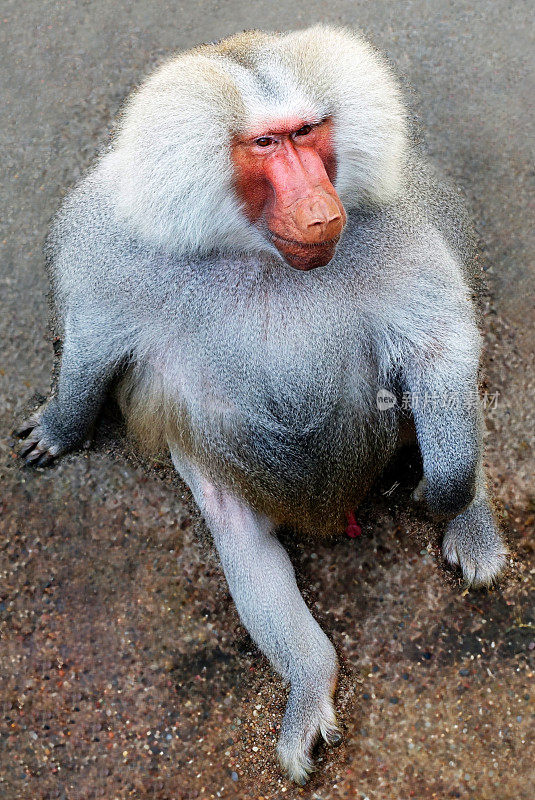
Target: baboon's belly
[(300, 469)]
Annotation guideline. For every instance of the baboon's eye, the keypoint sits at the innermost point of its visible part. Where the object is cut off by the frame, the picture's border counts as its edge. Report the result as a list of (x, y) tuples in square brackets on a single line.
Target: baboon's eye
[(264, 141), (303, 131)]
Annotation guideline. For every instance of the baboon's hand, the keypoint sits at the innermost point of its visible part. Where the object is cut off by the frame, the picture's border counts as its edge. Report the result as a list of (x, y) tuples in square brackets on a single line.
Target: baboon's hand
[(474, 543), (44, 438)]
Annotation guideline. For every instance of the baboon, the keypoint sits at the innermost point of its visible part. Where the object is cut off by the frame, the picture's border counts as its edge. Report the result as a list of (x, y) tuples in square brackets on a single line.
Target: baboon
[(259, 257)]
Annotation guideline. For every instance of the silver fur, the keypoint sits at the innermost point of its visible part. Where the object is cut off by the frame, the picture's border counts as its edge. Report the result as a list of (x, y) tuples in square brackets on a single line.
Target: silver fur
[(261, 379)]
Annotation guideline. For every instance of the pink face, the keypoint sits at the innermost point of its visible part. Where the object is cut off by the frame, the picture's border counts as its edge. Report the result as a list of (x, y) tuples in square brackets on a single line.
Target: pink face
[(283, 175)]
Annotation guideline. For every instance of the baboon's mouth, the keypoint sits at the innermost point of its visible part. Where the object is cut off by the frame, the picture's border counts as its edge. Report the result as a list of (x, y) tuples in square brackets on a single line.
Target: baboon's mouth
[(305, 256), (327, 243)]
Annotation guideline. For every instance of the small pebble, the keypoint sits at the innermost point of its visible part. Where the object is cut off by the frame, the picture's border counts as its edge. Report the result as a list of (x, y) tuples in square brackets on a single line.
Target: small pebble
[(234, 776), (464, 672)]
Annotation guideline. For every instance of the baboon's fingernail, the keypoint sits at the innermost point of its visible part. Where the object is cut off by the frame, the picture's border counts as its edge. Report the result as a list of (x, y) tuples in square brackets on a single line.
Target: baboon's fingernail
[(334, 738), (26, 447), (33, 457)]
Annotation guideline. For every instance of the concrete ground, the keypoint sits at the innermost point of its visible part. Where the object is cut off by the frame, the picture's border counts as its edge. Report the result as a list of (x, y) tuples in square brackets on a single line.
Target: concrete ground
[(124, 671)]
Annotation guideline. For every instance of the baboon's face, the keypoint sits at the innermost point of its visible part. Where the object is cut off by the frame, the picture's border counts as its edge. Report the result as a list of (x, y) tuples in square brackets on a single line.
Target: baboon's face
[(284, 175)]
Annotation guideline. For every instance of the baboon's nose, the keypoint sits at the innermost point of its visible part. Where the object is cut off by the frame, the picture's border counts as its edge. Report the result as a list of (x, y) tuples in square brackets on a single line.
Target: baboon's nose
[(319, 218)]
